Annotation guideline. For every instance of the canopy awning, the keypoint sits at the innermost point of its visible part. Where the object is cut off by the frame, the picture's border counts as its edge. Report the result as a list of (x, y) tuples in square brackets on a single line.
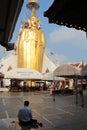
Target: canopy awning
[(67, 70), (23, 74), (70, 13), (50, 77), (84, 71)]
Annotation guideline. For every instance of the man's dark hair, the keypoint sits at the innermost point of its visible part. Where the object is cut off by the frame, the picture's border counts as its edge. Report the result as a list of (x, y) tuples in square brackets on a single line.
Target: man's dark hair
[(26, 103)]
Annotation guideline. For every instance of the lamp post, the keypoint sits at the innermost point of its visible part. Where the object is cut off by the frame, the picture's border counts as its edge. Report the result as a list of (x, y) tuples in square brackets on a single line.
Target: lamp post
[(76, 91), (54, 88), (82, 97)]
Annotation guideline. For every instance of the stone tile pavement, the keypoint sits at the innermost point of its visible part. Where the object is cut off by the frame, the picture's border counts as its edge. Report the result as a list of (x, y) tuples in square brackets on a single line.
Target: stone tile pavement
[(63, 114)]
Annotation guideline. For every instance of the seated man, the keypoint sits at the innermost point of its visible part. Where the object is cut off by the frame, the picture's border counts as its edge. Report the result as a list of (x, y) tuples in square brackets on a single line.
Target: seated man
[(25, 118), (25, 115)]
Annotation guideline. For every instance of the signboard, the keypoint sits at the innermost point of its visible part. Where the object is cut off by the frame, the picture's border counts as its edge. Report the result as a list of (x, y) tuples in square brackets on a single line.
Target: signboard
[(23, 73)]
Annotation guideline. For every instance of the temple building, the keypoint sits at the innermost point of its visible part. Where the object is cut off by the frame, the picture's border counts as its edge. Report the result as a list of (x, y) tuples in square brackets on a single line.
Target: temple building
[(29, 49)]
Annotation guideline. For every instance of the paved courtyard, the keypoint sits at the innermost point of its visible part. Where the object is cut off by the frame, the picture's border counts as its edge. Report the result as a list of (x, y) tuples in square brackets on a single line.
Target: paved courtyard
[(63, 114)]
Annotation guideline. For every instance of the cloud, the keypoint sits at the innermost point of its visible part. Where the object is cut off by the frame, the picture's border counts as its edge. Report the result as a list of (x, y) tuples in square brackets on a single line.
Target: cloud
[(65, 41), (63, 59), (67, 35)]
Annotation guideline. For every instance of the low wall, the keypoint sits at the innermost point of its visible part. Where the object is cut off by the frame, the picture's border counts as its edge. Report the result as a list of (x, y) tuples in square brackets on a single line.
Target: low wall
[(4, 89)]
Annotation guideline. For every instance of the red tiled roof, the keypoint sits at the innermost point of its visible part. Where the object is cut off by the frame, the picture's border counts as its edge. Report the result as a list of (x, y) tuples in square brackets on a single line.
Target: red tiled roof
[(79, 65)]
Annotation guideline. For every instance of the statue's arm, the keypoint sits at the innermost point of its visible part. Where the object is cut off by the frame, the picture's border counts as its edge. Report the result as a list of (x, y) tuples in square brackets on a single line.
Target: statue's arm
[(43, 40)]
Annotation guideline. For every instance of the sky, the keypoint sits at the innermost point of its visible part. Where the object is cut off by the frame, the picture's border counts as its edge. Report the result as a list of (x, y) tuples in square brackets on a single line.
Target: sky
[(68, 44)]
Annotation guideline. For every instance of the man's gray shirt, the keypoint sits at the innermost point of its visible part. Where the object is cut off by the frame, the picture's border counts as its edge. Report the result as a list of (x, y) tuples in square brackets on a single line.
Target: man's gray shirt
[(25, 114)]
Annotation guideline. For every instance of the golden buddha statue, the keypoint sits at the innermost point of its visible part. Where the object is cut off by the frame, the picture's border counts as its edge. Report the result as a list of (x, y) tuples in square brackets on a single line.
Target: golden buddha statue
[(31, 45)]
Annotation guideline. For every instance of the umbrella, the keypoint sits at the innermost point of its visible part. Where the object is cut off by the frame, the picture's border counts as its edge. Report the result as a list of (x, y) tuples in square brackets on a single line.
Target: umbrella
[(84, 71), (66, 70)]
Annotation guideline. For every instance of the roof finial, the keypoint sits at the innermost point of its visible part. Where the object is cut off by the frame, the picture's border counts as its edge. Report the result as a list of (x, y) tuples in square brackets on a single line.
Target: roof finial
[(33, 5)]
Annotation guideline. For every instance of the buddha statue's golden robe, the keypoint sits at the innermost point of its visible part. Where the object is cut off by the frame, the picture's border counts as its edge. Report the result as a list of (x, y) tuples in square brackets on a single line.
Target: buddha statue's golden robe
[(31, 47)]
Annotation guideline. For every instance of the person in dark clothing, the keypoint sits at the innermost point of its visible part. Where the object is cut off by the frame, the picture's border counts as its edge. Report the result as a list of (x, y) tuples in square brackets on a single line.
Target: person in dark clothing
[(25, 118)]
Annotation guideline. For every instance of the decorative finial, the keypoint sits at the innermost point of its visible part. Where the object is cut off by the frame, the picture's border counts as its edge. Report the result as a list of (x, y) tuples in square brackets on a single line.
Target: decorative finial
[(33, 3)]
